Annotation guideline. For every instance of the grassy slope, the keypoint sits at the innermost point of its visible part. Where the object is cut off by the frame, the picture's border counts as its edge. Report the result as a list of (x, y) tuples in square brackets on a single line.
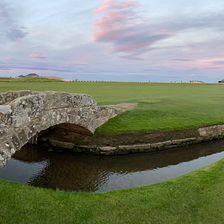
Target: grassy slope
[(197, 197), (172, 106)]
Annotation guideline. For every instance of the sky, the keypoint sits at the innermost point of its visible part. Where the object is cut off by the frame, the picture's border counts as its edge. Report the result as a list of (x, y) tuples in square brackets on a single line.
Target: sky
[(113, 40)]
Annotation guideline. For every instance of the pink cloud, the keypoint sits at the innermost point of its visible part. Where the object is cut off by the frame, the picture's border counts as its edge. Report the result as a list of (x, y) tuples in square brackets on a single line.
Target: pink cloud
[(113, 5), (127, 4), (102, 8), (131, 47), (38, 54), (108, 27), (7, 58), (119, 25)]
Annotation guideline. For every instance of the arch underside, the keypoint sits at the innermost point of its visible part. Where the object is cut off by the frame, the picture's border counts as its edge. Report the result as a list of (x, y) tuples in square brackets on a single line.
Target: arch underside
[(65, 132)]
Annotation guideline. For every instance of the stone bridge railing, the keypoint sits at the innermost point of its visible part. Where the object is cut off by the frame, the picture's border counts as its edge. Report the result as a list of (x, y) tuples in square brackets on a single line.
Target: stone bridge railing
[(24, 114)]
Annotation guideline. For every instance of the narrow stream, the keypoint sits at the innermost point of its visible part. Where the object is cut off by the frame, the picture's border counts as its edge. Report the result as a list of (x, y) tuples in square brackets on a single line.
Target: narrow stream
[(67, 170)]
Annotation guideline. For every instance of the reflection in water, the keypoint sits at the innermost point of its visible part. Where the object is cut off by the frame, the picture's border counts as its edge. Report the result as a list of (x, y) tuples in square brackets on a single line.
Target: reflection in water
[(68, 170)]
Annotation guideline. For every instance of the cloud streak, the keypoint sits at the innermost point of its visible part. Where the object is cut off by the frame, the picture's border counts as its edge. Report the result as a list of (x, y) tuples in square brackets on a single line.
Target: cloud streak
[(38, 54), (119, 25), (218, 62), (213, 20), (41, 65), (181, 59), (9, 30)]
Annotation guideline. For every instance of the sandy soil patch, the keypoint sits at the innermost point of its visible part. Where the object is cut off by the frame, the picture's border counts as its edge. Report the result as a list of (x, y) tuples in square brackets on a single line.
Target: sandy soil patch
[(124, 106)]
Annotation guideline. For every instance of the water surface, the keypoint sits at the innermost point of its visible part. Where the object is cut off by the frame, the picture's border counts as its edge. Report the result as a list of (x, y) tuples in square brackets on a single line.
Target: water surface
[(67, 170)]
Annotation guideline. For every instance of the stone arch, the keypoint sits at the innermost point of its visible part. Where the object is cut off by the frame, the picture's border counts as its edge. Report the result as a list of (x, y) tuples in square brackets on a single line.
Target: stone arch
[(24, 114)]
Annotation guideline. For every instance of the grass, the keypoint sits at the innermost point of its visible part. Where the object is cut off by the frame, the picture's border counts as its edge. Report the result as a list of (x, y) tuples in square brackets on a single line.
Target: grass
[(29, 79), (197, 197), (161, 106)]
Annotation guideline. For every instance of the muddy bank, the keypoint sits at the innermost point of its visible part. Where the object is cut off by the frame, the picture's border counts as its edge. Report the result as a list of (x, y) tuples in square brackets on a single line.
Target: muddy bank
[(126, 143)]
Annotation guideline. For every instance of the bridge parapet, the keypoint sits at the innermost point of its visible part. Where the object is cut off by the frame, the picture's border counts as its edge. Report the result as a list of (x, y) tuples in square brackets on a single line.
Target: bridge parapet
[(24, 114), (9, 96)]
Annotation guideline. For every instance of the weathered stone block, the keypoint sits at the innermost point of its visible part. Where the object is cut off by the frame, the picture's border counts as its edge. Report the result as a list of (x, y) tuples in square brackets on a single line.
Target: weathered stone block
[(139, 147), (157, 145), (211, 130), (66, 145), (107, 149)]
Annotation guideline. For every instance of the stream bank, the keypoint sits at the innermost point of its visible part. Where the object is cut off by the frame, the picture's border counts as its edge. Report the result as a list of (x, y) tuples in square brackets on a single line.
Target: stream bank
[(126, 143)]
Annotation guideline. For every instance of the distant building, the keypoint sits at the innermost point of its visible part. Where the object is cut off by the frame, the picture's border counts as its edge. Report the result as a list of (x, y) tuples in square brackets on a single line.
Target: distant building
[(196, 82), (68, 80), (222, 81)]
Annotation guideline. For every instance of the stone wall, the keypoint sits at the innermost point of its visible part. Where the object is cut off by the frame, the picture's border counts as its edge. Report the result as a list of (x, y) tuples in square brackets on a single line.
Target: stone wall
[(203, 134)]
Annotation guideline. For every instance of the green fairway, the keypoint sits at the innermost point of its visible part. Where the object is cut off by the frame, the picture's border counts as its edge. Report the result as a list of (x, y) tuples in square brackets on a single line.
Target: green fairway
[(197, 197), (193, 198), (161, 106)]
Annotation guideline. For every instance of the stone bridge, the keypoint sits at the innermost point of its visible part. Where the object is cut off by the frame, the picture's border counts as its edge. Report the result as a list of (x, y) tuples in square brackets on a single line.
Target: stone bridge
[(24, 115)]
